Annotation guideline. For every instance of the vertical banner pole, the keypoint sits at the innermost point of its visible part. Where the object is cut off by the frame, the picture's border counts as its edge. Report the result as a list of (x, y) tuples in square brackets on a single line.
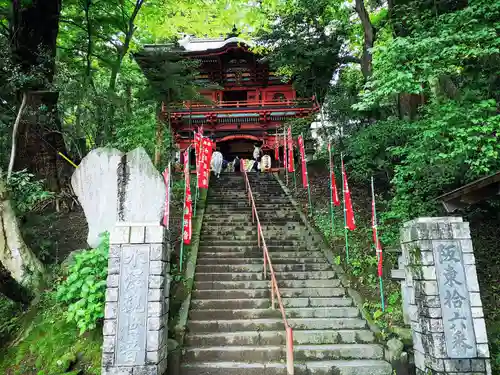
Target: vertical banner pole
[(293, 160), (308, 187), (332, 214), (345, 218), (181, 250), (196, 158), (166, 212), (377, 247), (285, 154)]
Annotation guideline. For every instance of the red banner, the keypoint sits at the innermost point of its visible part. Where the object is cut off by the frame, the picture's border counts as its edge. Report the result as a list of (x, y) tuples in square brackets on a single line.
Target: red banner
[(291, 166), (349, 212), (285, 157), (335, 194), (305, 183), (166, 213), (276, 150), (197, 146), (205, 158), (188, 204)]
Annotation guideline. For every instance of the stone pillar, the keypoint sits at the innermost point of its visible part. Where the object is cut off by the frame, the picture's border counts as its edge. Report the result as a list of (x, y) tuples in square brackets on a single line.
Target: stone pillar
[(136, 312), (404, 293), (449, 332)]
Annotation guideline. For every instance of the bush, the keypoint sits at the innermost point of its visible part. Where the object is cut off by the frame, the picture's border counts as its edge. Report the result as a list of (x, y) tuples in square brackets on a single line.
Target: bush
[(9, 318), (85, 287), (27, 192)]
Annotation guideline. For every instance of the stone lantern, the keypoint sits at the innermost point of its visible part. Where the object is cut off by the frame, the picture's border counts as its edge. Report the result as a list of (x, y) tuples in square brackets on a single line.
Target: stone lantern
[(309, 148)]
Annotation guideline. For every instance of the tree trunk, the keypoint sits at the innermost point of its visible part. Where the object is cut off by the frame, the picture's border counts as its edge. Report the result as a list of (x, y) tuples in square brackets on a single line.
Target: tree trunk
[(160, 133), (35, 25), (14, 136), (40, 139), (122, 52), (369, 38), (17, 258)]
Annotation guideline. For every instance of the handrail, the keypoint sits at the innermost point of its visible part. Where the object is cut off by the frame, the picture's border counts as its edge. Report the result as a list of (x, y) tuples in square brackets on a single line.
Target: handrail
[(274, 283), (240, 103)]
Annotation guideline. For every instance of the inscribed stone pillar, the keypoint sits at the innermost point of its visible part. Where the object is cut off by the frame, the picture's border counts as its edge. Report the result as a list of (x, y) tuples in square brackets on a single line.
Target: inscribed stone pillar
[(448, 327), (138, 284), (95, 184)]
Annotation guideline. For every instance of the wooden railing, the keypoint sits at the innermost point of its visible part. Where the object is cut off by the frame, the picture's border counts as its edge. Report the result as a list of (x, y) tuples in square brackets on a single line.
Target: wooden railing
[(241, 104), (275, 292)]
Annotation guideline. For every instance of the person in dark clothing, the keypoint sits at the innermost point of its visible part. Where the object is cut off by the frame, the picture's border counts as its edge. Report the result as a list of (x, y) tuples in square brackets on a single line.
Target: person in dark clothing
[(237, 165), (256, 165)]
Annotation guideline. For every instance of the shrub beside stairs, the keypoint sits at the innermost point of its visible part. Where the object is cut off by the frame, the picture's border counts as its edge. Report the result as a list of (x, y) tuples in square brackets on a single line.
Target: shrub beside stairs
[(232, 329)]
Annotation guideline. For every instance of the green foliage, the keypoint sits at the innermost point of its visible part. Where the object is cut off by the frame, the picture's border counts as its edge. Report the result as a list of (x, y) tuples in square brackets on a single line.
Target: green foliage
[(47, 344), (26, 192), (448, 45), (362, 265), (305, 43), (300, 126), (9, 318), (85, 286)]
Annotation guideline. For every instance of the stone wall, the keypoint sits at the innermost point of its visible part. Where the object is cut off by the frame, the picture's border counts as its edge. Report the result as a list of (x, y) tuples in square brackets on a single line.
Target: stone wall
[(445, 310), (137, 301)]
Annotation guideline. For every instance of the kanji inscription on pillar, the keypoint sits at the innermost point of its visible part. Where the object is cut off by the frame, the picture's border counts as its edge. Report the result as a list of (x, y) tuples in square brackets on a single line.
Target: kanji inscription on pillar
[(133, 306), (454, 296)]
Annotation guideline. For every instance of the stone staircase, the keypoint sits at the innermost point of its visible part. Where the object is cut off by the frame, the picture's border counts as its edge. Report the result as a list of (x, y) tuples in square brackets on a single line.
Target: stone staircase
[(232, 329)]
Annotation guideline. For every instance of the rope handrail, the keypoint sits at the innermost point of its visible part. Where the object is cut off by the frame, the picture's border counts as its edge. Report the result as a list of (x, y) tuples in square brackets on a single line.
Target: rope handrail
[(274, 283)]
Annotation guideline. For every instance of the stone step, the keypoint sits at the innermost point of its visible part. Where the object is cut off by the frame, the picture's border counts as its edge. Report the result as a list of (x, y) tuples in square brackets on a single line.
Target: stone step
[(205, 247), (276, 211), (265, 284), (276, 353), (258, 259), (227, 276), (233, 325), (306, 275), (222, 201), (233, 243), (258, 267), (270, 242), (244, 219), (357, 367), (274, 238), (265, 293), (224, 230), (257, 253), (265, 303), (244, 222), (253, 313), (278, 338), (228, 238)]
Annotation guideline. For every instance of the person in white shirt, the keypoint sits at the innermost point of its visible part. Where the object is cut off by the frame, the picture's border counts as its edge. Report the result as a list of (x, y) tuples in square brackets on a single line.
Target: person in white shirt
[(256, 151), (216, 162)]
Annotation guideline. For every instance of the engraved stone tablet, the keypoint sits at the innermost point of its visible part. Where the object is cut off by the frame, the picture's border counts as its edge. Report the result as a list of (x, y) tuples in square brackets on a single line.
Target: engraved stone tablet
[(454, 296), (133, 305), (141, 189), (95, 184)]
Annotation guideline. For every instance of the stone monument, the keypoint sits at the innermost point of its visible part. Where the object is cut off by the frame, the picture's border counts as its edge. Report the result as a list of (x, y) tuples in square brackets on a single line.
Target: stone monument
[(138, 283), (95, 184), (448, 327)]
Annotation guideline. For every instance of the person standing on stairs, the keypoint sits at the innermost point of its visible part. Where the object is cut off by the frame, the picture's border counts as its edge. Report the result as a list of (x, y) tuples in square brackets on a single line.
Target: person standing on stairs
[(257, 152), (216, 163), (236, 164)]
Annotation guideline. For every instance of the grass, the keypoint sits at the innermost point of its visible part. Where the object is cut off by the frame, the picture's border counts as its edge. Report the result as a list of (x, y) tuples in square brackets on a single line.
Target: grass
[(47, 345)]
